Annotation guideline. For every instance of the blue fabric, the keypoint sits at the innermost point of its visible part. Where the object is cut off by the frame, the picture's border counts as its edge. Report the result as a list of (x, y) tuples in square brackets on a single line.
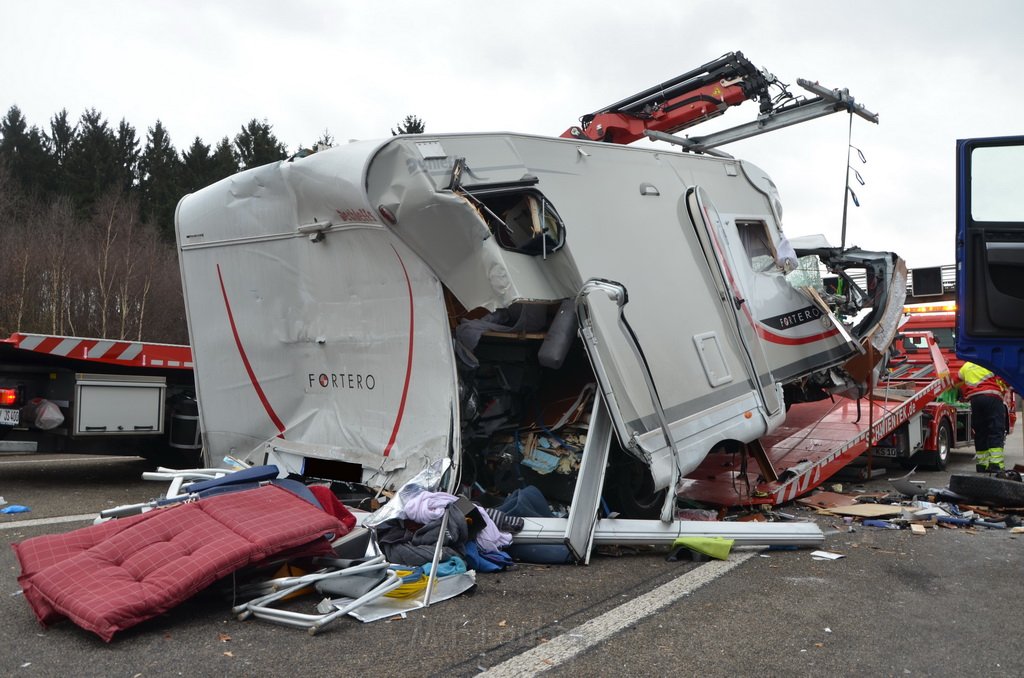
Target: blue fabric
[(246, 475), (486, 561), (453, 565), (294, 486), (15, 508), (544, 554), (527, 502)]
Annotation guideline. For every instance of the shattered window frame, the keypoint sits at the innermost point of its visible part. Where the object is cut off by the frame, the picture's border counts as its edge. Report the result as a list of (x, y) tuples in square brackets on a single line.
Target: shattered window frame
[(522, 221)]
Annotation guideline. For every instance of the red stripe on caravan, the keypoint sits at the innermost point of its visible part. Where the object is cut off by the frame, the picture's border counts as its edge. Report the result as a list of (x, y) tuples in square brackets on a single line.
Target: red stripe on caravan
[(758, 328), (408, 362), (792, 341), (245, 360)]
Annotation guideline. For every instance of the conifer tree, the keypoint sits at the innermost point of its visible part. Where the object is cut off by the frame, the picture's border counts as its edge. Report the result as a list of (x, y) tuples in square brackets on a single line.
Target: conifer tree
[(225, 161), (410, 125), (92, 165), (197, 166), (160, 180), (24, 150), (257, 145)]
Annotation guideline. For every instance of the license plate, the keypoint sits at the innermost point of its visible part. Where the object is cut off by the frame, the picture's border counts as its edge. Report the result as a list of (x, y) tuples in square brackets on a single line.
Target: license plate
[(888, 452), (9, 417)]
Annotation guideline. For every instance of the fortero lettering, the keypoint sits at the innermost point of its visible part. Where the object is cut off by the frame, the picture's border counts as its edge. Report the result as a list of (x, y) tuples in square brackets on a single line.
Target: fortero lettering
[(793, 319), (343, 380)]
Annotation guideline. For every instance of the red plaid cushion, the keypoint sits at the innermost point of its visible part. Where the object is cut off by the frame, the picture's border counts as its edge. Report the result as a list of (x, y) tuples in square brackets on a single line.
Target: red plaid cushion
[(109, 577)]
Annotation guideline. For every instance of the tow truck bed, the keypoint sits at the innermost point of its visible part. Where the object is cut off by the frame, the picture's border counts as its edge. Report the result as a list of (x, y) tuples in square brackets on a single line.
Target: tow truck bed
[(76, 352), (816, 441)]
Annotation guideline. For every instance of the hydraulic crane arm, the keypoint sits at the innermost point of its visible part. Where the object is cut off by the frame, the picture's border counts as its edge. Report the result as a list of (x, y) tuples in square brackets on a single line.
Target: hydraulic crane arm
[(678, 103), (826, 102)]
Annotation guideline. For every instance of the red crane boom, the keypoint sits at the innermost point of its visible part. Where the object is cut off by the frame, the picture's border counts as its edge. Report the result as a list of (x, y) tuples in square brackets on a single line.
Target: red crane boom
[(681, 102)]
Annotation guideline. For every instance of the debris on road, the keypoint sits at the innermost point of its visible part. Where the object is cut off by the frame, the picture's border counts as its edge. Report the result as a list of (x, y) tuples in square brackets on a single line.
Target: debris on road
[(267, 540), (970, 501), (701, 548), (15, 508)]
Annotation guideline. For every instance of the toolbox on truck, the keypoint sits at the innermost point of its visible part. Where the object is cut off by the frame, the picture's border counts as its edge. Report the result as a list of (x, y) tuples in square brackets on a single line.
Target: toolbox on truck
[(108, 404)]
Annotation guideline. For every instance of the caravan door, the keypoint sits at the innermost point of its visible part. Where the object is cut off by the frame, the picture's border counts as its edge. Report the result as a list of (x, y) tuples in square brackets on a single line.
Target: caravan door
[(719, 251), (663, 345), (990, 255)]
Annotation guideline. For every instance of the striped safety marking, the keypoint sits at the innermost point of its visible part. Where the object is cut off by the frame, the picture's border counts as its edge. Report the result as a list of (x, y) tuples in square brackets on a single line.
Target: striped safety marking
[(885, 425), (134, 353)]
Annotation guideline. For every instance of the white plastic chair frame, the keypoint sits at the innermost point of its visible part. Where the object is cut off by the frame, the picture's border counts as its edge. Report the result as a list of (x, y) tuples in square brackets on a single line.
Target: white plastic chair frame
[(177, 478), (260, 607)]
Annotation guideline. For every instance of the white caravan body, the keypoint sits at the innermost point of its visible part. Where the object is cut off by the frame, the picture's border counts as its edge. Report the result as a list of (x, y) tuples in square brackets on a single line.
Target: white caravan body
[(319, 292)]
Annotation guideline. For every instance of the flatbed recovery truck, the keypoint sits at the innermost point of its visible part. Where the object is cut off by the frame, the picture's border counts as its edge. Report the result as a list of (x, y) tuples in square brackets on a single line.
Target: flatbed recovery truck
[(901, 418), (75, 394)]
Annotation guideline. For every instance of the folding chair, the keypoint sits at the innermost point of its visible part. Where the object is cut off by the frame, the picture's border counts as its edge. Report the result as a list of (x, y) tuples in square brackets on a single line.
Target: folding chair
[(188, 484), (359, 580)]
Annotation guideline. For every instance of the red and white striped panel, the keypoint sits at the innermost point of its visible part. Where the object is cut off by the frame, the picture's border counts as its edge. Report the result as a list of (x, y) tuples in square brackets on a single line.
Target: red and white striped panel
[(113, 352)]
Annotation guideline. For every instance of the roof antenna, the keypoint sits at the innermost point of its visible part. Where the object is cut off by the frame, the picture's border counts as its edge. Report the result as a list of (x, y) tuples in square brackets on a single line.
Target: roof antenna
[(848, 193)]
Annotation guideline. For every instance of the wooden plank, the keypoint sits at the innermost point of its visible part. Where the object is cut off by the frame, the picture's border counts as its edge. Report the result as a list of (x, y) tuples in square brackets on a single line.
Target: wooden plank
[(827, 500), (867, 510)]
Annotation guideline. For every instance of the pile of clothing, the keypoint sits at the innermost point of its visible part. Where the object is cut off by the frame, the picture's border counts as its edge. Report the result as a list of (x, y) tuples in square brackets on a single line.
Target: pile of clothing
[(472, 534)]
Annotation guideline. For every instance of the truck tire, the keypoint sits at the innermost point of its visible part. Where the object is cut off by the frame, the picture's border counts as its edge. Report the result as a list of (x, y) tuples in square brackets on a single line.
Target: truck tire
[(936, 460), (630, 488), (995, 491)]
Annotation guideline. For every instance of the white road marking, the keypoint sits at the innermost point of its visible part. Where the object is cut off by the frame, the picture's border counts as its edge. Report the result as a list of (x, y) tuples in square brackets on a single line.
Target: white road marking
[(48, 521), (63, 460), (566, 646)]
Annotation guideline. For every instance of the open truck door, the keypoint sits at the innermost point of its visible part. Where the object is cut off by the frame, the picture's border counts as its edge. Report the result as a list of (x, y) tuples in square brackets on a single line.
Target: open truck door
[(990, 255)]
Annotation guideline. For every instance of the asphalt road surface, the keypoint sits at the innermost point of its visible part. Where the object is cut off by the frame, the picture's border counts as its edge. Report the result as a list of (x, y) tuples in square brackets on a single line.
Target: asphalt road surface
[(939, 604)]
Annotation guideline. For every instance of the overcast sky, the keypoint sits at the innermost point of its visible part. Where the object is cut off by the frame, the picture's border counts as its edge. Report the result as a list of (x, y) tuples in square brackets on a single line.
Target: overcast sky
[(934, 71)]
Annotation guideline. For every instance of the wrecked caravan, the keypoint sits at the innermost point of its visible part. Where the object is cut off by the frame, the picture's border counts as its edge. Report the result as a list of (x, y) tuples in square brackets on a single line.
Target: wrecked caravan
[(364, 310)]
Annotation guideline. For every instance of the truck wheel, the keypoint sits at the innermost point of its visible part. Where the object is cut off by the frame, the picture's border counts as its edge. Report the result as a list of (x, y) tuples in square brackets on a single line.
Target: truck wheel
[(631, 488), (995, 491), (936, 460)]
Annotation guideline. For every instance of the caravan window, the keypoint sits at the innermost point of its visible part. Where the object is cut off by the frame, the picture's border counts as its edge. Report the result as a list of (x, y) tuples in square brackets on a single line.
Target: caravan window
[(757, 244), (523, 221)]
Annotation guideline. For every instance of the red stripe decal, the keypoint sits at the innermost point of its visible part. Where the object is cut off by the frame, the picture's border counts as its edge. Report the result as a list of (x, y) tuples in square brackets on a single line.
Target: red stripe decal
[(245, 360), (792, 341), (761, 331), (408, 363)]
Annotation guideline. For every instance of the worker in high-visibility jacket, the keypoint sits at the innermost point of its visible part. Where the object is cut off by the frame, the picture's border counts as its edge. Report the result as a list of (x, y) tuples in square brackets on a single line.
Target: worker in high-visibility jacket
[(985, 392)]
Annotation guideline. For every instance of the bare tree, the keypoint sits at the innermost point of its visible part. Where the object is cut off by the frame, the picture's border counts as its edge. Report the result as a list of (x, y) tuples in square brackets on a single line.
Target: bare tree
[(56, 232), (16, 253), (139, 256), (110, 240)]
